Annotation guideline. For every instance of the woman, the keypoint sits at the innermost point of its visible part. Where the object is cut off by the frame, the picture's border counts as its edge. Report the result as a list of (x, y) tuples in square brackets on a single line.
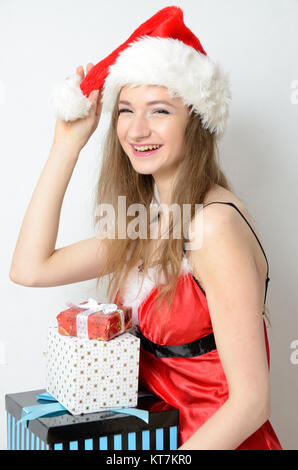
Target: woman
[(204, 341)]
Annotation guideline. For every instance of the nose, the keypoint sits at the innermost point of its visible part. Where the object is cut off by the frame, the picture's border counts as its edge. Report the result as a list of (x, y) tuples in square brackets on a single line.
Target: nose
[(138, 128)]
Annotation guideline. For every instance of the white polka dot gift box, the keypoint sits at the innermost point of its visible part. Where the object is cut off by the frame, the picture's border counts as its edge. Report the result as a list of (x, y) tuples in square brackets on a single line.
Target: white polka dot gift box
[(87, 375)]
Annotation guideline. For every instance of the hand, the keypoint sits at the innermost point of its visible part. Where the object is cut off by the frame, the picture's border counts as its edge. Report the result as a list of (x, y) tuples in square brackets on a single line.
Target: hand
[(78, 132)]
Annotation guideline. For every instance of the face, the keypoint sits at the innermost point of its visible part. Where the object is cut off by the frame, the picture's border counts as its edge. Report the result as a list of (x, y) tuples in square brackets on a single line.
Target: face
[(142, 123)]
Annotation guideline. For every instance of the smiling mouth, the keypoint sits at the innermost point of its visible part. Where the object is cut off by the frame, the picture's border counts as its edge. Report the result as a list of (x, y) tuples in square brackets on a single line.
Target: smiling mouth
[(144, 153)]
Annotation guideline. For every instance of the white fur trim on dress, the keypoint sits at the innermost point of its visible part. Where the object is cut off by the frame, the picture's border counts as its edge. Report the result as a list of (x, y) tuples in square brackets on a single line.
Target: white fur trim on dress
[(186, 73), (68, 101), (130, 296)]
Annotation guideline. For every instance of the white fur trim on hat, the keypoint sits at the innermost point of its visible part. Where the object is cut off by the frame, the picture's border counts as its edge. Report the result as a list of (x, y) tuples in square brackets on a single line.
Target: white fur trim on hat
[(68, 101), (186, 73)]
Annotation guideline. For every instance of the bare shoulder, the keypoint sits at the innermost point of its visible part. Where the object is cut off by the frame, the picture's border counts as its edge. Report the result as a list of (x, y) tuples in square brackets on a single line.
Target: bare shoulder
[(222, 220), (220, 194), (215, 214), (222, 212)]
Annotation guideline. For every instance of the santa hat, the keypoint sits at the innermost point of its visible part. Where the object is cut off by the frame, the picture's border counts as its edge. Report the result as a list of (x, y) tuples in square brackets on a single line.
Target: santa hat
[(164, 52)]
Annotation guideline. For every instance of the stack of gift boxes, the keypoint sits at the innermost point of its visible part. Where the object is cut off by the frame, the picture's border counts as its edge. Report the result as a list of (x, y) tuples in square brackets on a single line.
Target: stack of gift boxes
[(93, 361), (92, 371)]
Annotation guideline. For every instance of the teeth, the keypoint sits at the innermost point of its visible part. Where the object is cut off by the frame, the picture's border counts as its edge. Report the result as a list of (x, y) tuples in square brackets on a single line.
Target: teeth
[(147, 147)]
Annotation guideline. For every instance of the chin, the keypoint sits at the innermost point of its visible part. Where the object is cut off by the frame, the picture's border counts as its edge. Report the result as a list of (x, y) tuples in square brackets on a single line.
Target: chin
[(143, 171), (143, 167)]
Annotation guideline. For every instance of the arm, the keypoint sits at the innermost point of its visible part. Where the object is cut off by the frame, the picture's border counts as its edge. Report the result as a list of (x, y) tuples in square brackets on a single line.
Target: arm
[(38, 233), (36, 262), (234, 293)]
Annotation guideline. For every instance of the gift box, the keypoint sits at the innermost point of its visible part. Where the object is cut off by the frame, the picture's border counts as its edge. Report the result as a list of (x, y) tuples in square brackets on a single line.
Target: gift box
[(94, 431), (94, 320), (87, 376)]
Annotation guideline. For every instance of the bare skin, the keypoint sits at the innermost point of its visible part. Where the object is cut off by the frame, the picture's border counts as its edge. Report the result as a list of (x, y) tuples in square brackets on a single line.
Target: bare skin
[(140, 122), (36, 260), (218, 193)]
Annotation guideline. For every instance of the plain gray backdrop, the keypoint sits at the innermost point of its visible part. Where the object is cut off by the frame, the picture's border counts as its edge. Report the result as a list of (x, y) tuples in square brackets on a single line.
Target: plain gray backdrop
[(257, 44)]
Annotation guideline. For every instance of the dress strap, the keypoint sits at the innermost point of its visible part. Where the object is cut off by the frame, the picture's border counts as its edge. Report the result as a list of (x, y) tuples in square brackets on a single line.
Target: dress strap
[(233, 205)]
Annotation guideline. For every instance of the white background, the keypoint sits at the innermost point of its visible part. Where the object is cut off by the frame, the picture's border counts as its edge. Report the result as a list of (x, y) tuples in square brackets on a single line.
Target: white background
[(257, 44)]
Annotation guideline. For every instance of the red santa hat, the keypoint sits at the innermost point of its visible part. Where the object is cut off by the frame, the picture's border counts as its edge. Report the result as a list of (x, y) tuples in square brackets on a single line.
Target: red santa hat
[(164, 52)]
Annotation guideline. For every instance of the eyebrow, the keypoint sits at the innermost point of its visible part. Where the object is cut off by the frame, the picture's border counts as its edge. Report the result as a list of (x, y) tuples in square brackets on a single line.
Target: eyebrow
[(149, 102)]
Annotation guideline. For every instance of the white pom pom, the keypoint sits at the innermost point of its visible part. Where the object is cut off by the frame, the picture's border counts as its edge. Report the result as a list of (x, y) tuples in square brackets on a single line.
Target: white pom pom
[(68, 101)]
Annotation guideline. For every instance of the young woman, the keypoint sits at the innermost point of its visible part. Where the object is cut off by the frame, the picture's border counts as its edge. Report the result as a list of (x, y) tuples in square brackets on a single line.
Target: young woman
[(204, 346)]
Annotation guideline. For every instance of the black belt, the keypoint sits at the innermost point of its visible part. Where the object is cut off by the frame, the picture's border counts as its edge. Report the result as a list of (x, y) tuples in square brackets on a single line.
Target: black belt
[(195, 348)]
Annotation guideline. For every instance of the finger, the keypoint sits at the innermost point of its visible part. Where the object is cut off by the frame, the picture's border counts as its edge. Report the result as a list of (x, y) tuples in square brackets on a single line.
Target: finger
[(93, 97), (99, 103), (89, 66), (80, 71)]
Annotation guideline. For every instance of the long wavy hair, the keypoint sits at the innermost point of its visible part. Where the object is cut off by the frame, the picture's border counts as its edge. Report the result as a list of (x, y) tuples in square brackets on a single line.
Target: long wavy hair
[(197, 173)]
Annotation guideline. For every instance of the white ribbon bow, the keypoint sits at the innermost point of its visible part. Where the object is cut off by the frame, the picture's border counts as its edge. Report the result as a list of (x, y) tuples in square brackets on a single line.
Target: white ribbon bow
[(95, 307)]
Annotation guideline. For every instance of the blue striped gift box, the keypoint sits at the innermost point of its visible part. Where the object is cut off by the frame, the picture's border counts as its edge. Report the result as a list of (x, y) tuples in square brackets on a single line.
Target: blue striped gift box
[(93, 431)]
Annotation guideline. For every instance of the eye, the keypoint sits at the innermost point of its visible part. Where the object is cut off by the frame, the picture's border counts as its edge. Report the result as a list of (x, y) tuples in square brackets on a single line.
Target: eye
[(162, 111), (156, 111), (122, 110)]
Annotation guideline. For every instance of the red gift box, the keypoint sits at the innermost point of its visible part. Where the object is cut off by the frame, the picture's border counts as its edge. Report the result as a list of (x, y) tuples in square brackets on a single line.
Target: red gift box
[(100, 325)]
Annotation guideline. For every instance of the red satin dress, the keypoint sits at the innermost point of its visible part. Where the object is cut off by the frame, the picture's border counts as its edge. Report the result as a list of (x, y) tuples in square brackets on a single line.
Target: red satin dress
[(189, 375)]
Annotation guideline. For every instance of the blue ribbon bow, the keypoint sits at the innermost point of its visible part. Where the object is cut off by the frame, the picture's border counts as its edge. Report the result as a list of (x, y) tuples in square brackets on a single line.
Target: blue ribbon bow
[(51, 405)]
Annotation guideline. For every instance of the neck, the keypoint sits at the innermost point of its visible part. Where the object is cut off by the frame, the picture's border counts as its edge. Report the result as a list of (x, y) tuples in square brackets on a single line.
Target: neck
[(165, 184)]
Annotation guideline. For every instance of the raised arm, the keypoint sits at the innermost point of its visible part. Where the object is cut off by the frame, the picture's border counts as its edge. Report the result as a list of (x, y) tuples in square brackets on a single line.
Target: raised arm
[(36, 261)]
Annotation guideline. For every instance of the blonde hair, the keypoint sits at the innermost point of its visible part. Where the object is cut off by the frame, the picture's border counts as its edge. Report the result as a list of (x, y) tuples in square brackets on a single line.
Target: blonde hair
[(197, 173)]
